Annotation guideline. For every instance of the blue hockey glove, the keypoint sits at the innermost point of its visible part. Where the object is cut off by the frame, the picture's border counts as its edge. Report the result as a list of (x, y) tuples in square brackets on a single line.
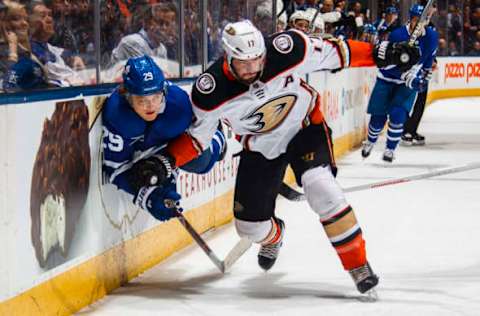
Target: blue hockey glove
[(219, 144), (427, 74), (156, 200)]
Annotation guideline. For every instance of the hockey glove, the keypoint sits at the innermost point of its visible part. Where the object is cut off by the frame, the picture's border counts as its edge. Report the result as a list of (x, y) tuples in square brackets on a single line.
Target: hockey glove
[(415, 81), (156, 200), (427, 74), (400, 54), (219, 144), (151, 171)]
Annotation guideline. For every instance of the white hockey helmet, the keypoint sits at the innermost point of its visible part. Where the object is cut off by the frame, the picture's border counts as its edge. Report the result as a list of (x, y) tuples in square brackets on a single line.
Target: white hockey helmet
[(300, 15), (242, 40)]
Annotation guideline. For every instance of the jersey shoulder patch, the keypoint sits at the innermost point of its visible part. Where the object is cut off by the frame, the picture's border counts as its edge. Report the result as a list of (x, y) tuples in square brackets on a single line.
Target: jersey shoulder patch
[(205, 83), (283, 43), (213, 88), (285, 50)]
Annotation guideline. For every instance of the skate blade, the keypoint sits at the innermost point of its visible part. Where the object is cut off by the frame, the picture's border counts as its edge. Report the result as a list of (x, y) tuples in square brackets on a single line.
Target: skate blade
[(406, 144), (418, 144), (370, 296)]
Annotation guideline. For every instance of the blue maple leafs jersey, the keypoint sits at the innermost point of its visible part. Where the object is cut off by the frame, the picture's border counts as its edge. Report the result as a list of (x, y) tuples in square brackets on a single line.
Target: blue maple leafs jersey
[(127, 138), (428, 47)]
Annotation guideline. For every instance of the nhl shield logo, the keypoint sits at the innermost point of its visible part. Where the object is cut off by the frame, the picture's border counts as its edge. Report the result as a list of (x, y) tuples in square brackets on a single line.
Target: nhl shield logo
[(283, 43), (205, 83)]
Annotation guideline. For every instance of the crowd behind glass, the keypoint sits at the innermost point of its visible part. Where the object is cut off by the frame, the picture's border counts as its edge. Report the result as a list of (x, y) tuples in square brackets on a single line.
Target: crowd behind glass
[(53, 43)]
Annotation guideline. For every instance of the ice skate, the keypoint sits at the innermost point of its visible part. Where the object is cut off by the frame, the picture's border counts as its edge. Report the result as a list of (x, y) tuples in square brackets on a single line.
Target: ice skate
[(407, 139), (365, 280), (367, 148), (418, 140), (388, 155), (268, 253)]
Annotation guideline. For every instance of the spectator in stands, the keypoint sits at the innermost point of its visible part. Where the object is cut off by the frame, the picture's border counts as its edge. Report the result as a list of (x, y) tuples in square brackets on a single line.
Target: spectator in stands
[(166, 17), (452, 49), (51, 58), (327, 6), (476, 49), (147, 41), (17, 69), (454, 23), (442, 47), (3, 11), (15, 30), (263, 18), (73, 25), (474, 25), (340, 5)]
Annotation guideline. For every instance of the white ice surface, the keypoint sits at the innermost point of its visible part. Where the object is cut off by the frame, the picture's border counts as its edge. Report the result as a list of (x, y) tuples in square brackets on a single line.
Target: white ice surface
[(423, 240)]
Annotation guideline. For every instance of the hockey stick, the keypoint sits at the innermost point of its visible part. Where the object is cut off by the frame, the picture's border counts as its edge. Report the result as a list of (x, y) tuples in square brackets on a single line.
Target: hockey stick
[(198, 239), (426, 14), (425, 175), (237, 251), (285, 190), (290, 194)]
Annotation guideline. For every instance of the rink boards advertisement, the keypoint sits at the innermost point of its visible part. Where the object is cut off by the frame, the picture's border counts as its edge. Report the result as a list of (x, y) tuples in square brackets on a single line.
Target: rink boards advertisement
[(455, 77), (69, 237)]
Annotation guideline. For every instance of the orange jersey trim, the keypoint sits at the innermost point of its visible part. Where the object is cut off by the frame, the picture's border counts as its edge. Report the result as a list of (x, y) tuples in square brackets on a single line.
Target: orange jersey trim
[(184, 149), (361, 54)]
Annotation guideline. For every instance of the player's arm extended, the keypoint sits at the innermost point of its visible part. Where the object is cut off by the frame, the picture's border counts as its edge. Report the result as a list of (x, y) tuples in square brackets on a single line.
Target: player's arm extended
[(197, 139), (333, 54)]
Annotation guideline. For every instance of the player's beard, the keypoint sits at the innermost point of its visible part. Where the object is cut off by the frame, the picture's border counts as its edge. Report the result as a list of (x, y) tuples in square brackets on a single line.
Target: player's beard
[(251, 80)]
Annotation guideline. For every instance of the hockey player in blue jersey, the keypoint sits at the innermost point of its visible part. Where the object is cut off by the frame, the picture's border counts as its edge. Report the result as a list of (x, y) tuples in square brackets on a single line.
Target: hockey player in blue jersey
[(139, 119), (387, 24), (396, 89)]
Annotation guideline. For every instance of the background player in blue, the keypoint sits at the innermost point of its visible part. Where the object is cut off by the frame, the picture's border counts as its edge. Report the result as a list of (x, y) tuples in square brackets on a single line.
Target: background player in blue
[(396, 89), (387, 24), (139, 120)]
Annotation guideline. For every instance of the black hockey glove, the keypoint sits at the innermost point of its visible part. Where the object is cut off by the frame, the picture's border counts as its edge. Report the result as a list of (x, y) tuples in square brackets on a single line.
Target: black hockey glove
[(400, 54), (154, 170)]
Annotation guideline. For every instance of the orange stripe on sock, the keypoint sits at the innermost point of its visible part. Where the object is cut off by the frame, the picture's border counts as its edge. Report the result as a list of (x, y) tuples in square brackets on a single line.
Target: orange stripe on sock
[(353, 253), (274, 235)]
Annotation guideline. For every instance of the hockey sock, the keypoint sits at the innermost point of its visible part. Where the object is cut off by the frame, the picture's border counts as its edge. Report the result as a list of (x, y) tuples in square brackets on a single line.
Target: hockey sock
[(377, 122), (398, 116), (346, 237), (274, 236)]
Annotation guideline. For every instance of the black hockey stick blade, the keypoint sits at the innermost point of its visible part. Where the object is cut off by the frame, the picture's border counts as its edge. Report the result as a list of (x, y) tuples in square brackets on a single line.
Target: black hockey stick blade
[(291, 194)]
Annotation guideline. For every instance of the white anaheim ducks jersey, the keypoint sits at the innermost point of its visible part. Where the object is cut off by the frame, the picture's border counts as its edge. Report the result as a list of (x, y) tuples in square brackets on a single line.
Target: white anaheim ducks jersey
[(269, 112)]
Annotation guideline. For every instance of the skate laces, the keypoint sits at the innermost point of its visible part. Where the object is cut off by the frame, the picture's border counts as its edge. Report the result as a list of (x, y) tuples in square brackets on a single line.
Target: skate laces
[(388, 153), (270, 250), (367, 146), (361, 273)]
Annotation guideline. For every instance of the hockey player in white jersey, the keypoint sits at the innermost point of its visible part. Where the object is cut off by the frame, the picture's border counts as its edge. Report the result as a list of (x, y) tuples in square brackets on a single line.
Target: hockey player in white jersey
[(257, 88)]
